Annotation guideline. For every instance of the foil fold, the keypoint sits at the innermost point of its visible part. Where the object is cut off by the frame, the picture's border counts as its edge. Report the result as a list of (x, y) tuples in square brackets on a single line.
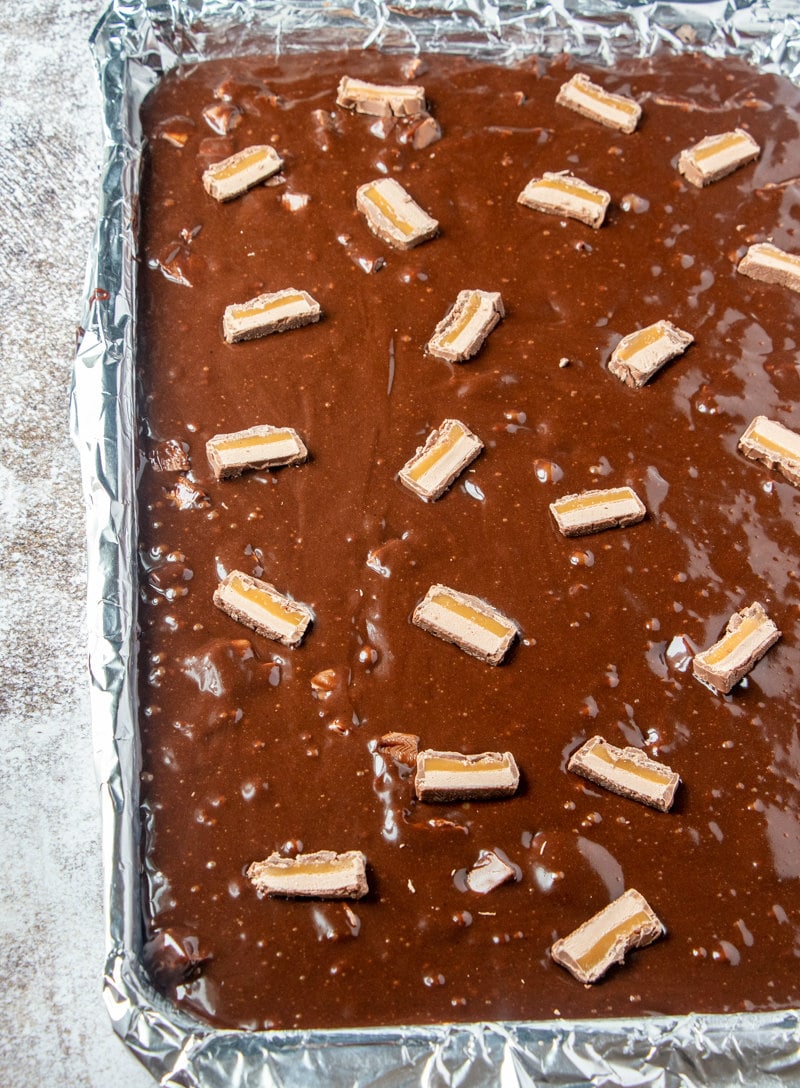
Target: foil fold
[(134, 44)]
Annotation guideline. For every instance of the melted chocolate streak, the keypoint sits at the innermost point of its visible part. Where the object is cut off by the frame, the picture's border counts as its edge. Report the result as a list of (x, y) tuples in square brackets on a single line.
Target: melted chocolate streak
[(241, 757)]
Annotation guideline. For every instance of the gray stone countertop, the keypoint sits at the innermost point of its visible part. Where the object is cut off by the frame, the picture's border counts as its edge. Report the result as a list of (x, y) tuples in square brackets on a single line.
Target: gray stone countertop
[(56, 1029)]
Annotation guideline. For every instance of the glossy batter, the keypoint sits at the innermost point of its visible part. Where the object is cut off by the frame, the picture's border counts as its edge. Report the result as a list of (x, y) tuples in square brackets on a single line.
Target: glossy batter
[(249, 747)]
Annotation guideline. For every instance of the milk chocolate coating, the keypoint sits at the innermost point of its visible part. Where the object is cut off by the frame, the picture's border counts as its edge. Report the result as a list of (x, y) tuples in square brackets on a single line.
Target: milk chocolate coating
[(240, 757)]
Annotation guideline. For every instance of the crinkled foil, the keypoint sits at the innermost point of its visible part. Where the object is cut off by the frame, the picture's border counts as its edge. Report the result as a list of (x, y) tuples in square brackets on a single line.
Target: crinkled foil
[(134, 44)]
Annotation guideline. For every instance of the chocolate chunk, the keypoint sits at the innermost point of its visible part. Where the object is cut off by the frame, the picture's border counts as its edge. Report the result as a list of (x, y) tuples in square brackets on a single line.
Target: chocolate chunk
[(278, 311), (240, 172), (591, 511), (748, 636), (639, 355), (767, 263), (446, 453), (564, 194), (453, 776), (715, 157), (393, 215), (463, 330), (168, 456), (587, 98), (472, 624), (173, 956), (593, 947), (626, 771), (259, 605), (380, 99), (321, 875), (774, 445), (255, 448)]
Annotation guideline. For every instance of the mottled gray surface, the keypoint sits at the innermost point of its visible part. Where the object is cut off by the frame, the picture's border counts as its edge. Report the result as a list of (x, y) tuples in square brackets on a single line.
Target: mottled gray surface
[(55, 1026)]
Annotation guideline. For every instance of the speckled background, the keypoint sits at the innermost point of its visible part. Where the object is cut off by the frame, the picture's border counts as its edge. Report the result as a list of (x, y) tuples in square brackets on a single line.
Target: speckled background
[(55, 1026)]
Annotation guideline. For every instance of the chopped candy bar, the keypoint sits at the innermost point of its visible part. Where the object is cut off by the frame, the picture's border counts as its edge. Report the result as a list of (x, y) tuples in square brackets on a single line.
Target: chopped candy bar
[(470, 623), (187, 495), (400, 747), (639, 355), (463, 330), (717, 156), (393, 216), (614, 110), (748, 636), (592, 948), (773, 445), (240, 172), (258, 447), (769, 264), (453, 776), (259, 605), (564, 194), (168, 456), (379, 99), (322, 875), (489, 872), (446, 453), (591, 511), (268, 313), (627, 771)]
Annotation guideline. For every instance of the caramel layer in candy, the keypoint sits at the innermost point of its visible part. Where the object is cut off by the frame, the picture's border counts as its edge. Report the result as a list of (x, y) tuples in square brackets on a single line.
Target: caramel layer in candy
[(240, 172), (591, 511), (322, 875), (489, 872), (393, 215), (447, 451), (748, 636), (257, 447), (627, 771), (453, 776), (767, 263), (259, 605), (264, 314), (639, 355), (379, 99), (613, 110), (463, 330), (715, 157), (592, 948), (472, 624), (563, 194), (773, 445)]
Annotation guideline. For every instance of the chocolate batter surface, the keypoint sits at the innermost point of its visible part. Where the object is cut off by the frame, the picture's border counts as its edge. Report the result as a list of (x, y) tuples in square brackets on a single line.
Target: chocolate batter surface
[(244, 756)]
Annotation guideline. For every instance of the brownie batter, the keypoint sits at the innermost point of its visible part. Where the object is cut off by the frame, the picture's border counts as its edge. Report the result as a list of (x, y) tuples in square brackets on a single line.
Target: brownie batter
[(251, 748)]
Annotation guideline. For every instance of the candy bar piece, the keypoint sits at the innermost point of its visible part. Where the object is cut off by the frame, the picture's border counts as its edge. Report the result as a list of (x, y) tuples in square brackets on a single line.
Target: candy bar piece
[(264, 314), (463, 330), (639, 355), (613, 110), (564, 194), (592, 948), (472, 624), (379, 99), (627, 771), (259, 605), (393, 216), (591, 511), (322, 875), (257, 447), (769, 264), (773, 445), (488, 873), (748, 636), (446, 453), (453, 776), (715, 157), (399, 747), (240, 172)]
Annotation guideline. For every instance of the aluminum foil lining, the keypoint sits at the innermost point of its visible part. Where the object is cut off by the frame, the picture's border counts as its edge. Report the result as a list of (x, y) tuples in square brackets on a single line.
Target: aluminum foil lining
[(134, 43)]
